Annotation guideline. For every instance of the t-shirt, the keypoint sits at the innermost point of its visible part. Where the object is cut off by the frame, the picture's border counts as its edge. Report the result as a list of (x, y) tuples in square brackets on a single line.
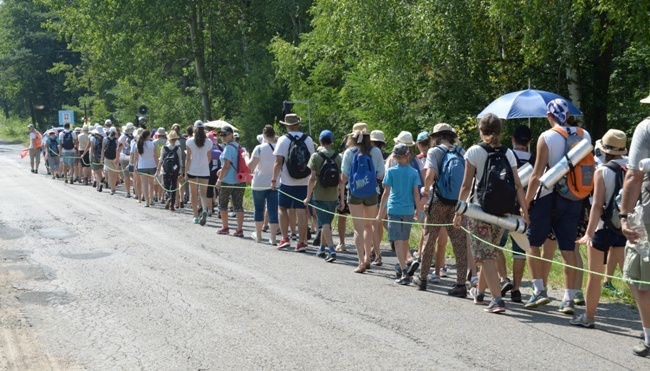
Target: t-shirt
[(146, 159), (83, 142), (435, 156), (556, 149), (134, 149), (523, 156), (377, 161), (316, 161), (477, 156), (176, 148), (32, 136), (401, 179), (609, 179), (230, 153), (199, 164), (158, 143), (282, 149), (46, 143), (639, 150), (264, 170), (124, 141), (62, 134)]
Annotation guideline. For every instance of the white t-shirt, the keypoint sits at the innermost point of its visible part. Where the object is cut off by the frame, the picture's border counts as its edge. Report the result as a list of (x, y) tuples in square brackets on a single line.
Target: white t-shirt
[(282, 149), (134, 148), (62, 134), (83, 142), (477, 156), (31, 136), (609, 178), (264, 170), (123, 141), (146, 159), (556, 145), (199, 164)]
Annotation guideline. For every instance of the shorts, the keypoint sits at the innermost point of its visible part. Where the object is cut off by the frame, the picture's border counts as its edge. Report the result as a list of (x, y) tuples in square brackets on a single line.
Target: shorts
[(148, 171), (68, 158), (35, 155), (53, 162), (399, 227), (190, 176), (95, 166), (634, 268), (517, 251), (237, 197), (85, 160), (110, 166), (295, 201), (565, 227), (346, 209), (367, 201), (485, 231), (605, 238), (324, 211), (124, 162)]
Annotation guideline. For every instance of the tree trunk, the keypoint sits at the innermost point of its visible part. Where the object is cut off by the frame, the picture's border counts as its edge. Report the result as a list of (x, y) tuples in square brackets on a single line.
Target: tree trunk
[(198, 48)]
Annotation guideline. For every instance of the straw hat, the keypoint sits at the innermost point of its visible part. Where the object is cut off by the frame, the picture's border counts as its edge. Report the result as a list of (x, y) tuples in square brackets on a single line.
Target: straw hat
[(291, 119), (362, 127), (173, 135), (377, 136), (405, 137), (443, 128), (613, 142)]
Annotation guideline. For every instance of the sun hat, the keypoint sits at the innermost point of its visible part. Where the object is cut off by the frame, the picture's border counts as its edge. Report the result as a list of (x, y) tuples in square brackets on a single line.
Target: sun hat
[(646, 100), (161, 132), (326, 134), (51, 131), (138, 132), (236, 135), (128, 128), (559, 108), (99, 131), (85, 128), (77, 129), (401, 150), (108, 122), (291, 119), (614, 142), (199, 124), (360, 129), (112, 130), (422, 136), (405, 137), (377, 136), (30, 126), (173, 135), (443, 128)]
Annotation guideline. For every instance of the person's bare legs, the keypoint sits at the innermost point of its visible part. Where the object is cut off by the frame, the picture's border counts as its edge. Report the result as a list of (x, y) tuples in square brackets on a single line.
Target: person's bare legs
[(283, 218), (595, 260), (579, 275), (548, 253), (357, 211), (615, 257), (342, 228), (293, 217)]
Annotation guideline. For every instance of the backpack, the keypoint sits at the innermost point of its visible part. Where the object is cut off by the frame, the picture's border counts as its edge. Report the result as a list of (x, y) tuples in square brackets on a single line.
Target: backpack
[(578, 183), (328, 175), (38, 140), (363, 178), (610, 215), (68, 141), (241, 167), (298, 157), (111, 148), (452, 172), (496, 191), (170, 161), (97, 149), (53, 146), (127, 148)]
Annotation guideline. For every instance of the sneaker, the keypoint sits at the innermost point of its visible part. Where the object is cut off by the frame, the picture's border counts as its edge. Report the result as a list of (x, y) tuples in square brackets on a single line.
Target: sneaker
[(537, 300), (254, 237), (608, 287), (398, 271), (112, 192), (433, 278), (196, 220), (294, 237), (478, 297), (223, 230), (128, 195), (506, 285), (583, 321), (301, 247), (641, 350), (321, 252), (284, 243), (515, 296), (340, 248), (420, 283), (204, 217), (474, 281), (146, 204), (404, 280), (567, 307), (496, 306), (232, 214), (443, 272), (316, 241), (331, 257), (412, 268), (458, 291), (579, 298), (238, 233)]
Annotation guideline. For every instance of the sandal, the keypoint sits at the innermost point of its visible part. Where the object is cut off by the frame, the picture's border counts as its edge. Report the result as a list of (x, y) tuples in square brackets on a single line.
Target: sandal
[(367, 264), (377, 262), (340, 248), (360, 269), (223, 230)]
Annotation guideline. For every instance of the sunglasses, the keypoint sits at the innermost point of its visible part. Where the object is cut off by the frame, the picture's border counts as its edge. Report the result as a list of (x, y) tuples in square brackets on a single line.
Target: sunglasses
[(224, 134)]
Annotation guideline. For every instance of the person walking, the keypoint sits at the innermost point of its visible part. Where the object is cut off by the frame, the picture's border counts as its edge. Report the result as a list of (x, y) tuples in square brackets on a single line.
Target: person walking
[(124, 149), (35, 144), (84, 154), (227, 183), (137, 181), (264, 198), (110, 159), (96, 149), (146, 165), (170, 165), (181, 176), (197, 168), (53, 152)]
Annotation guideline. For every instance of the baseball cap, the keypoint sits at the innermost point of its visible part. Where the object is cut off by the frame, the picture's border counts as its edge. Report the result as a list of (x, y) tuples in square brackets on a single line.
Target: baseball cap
[(227, 129), (326, 134), (400, 150), (422, 136), (199, 124)]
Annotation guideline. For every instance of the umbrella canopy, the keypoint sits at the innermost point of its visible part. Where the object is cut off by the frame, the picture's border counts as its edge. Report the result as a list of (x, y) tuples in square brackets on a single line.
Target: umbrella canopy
[(524, 104), (218, 124)]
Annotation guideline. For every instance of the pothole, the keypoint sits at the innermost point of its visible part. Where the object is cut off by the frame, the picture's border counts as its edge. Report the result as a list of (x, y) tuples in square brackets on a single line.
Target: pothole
[(14, 255), (56, 233), (7, 233), (87, 256), (46, 298)]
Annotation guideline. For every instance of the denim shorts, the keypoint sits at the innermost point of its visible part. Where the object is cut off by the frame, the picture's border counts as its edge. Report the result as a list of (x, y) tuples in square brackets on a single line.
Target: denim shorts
[(147, 171), (68, 158), (565, 227), (324, 211), (399, 227), (298, 194), (265, 198)]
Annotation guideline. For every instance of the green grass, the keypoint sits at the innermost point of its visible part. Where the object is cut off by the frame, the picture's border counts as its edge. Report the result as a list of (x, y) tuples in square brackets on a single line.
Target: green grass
[(14, 130)]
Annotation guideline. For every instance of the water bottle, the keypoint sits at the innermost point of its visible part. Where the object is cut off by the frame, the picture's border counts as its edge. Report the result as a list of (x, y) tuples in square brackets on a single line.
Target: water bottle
[(524, 173), (510, 222), (644, 165), (635, 222), (557, 172)]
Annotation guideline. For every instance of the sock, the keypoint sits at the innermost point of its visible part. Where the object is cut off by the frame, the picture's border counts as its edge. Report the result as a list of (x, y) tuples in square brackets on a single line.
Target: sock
[(538, 285), (569, 295), (332, 250), (646, 331), (497, 298), (322, 248)]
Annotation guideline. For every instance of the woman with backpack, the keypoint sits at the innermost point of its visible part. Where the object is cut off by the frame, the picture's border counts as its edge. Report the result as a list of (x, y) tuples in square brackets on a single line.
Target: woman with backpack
[(261, 164), (53, 152), (603, 237), (197, 168), (96, 148), (484, 163), (146, 165), (215, 165), (232, 161), (170, 165), (109, 158), (363, 166), (137, 182)]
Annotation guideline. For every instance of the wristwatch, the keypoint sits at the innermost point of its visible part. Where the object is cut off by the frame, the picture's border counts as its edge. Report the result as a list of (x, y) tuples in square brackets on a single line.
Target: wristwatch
[(622, 216)]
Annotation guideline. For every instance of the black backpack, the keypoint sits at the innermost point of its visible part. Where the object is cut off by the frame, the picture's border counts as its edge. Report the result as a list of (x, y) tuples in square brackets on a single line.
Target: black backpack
[(610, 215), (97, 149), (496, 190), (68, 141), (298, 157), (111, 148), (329, 174), (170, 161)]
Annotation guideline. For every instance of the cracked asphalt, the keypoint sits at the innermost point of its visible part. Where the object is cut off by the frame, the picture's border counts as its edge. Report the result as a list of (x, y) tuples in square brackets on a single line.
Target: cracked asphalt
[(90, 281)]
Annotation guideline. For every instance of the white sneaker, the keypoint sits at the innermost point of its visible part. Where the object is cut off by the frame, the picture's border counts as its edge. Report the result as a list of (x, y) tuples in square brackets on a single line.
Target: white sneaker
[(254, 237), (433, 278)]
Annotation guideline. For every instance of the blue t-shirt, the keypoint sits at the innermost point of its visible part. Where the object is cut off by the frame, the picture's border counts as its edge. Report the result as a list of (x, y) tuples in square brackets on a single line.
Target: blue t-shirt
[(401, 179), (230, 153)]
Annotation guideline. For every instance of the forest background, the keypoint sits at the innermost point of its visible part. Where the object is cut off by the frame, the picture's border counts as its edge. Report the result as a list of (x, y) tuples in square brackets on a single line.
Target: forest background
[(395, 64)]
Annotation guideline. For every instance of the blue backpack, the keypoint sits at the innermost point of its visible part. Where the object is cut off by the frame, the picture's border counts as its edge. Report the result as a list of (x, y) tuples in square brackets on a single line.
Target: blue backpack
[(53, 147), (451, 175), (363, 178)]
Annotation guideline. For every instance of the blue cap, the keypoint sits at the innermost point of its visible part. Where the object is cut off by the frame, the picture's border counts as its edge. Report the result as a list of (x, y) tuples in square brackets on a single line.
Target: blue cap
[(558, 108), (400, 150), (422, 136), (326, 134)]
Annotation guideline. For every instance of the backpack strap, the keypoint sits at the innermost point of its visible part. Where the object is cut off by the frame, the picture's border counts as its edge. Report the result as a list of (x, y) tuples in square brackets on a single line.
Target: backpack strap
[(238, 154)]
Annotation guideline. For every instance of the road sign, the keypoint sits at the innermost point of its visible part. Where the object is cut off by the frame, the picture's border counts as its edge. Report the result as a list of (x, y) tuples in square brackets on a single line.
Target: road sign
[(66, 117)]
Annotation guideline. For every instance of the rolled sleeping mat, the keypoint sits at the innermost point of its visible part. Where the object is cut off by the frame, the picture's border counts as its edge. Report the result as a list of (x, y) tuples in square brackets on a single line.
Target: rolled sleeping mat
[(575, 155), (510, 222)]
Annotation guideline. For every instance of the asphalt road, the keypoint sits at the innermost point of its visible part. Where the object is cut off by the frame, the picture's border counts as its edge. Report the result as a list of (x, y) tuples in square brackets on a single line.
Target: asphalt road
[(93, 281)]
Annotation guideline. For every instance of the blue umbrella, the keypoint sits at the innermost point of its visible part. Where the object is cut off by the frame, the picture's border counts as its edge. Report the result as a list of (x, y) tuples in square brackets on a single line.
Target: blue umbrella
[(524, 104)]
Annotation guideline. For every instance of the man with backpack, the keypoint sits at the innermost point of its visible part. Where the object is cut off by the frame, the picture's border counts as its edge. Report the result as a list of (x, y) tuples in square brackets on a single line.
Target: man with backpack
[(109, 159), (324, 182), (35, 144), (232, 162), (292, 154), (53, 152), (124, 148), (557, 210), (68, 142)]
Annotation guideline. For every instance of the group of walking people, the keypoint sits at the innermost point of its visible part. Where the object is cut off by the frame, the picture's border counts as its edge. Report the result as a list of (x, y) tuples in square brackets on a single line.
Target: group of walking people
[(296, 181)]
